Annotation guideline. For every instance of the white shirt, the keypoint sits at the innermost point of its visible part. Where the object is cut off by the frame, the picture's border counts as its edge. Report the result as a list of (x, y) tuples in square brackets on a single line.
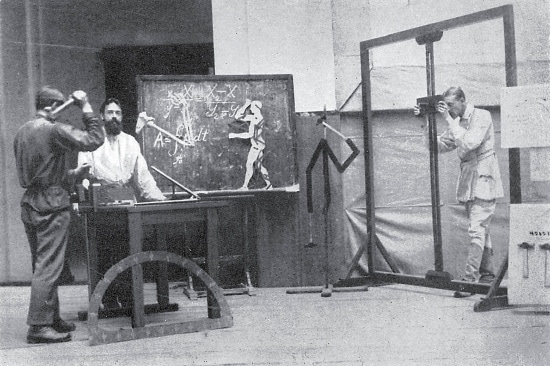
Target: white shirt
[(119, 161)]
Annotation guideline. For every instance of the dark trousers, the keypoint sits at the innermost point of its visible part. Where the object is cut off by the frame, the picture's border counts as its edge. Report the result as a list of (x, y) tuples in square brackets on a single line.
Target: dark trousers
[(48, 235)]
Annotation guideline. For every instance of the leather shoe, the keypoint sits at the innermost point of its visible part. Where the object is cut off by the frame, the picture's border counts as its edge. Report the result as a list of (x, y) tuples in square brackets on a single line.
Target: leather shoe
[(62, 326), (486, 278), (460, 294), (46, 334)]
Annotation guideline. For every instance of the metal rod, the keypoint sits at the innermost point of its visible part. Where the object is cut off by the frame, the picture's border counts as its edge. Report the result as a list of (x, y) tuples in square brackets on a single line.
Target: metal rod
[(350, 96), (176, 182), (325, 215)]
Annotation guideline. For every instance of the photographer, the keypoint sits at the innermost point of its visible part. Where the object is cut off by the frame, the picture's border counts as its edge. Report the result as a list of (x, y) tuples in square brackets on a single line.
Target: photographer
[(471, 133)]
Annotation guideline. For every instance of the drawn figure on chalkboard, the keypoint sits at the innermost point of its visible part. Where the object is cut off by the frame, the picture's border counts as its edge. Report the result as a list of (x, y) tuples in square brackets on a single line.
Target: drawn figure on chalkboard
[(251, 114)]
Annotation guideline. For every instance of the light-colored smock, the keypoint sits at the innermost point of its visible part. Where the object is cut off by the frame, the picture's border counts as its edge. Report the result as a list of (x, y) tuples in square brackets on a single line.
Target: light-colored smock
[(474, 138), (119, 161)]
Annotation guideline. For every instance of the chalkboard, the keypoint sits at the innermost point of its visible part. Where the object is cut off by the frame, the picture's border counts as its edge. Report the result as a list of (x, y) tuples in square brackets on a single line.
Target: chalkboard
[(212, 115)]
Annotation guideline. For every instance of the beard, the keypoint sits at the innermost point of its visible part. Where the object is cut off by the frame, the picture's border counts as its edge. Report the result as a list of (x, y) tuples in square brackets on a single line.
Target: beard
[(113, 127)]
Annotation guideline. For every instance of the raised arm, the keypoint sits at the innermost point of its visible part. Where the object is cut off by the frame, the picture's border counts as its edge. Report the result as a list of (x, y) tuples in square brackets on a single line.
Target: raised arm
[(88, 139), (445, 141)]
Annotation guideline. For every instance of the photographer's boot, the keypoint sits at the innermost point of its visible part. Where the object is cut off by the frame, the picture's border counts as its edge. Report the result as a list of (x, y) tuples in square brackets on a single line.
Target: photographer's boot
[(486, 268), (471, 274)]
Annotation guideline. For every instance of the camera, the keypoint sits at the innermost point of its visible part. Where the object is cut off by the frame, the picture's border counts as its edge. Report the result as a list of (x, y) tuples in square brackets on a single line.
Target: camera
[(429, 104)]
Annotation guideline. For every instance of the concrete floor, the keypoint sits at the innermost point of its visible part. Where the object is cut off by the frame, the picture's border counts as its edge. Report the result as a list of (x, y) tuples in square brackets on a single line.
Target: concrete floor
[(387, 325)]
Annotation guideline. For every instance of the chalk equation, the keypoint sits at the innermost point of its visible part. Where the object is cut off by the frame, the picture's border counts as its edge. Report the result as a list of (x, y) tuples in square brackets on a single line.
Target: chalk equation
[(219, 102)]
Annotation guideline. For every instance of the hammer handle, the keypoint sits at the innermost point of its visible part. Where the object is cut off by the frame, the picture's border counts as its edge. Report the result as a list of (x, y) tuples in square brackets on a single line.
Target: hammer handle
[(62, 106), (334, 130)]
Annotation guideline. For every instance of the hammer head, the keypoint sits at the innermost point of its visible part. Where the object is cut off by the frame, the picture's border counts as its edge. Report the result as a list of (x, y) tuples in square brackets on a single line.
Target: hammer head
[(142, 121)]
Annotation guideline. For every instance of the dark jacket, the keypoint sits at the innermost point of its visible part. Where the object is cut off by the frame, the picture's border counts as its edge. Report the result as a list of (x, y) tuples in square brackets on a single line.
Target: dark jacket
[(43, 151)]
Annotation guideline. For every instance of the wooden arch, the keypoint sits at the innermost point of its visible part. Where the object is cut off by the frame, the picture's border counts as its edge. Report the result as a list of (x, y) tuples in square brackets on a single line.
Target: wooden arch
[(220, 318)]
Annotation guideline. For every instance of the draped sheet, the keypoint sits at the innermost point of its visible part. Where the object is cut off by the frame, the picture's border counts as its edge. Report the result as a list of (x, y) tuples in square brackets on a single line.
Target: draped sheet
[(403, 208)]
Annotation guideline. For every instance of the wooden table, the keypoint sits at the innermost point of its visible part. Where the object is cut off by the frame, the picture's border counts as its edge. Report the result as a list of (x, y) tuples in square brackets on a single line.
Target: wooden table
[(158, 214)]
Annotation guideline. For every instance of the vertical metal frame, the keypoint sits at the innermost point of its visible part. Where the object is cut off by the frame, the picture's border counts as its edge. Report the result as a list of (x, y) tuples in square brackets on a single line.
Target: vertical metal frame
[(506, 13)]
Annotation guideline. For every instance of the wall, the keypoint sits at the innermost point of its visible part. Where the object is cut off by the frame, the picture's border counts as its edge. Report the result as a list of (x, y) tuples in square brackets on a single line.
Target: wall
[(32, 57), (57, 42), (279, 37), (318, 40), (468, 54)]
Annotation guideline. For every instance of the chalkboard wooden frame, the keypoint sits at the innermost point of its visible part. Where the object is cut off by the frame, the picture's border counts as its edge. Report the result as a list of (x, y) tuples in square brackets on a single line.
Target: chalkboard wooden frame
[(207, 105)]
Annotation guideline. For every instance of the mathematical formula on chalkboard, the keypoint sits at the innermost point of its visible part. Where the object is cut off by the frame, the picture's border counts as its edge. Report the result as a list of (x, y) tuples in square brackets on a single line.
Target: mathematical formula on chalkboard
[(235, 132)]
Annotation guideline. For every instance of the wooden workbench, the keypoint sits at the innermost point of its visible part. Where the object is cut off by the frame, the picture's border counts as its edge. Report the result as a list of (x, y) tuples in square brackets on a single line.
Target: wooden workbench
[(158, 214)]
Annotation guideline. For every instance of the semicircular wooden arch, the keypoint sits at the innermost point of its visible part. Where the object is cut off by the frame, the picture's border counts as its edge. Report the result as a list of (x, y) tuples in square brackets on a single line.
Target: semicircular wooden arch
[(99, 335)]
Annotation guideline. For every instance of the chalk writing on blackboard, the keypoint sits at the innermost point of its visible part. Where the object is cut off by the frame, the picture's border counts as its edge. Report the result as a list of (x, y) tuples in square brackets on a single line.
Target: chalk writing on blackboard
[(235, 129)]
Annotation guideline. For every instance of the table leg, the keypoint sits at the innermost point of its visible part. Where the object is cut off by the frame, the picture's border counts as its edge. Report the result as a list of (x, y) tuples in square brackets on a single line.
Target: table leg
[(212, 257), (246, 227), (189, 289), (162, 268), (136, 235), (90, 235)]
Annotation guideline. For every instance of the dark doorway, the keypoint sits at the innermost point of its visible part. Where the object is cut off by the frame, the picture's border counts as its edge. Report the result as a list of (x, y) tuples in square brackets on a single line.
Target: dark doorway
[(123, 64)]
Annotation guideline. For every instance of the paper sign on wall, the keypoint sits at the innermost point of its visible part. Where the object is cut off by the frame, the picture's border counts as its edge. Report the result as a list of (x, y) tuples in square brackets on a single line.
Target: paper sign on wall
[(540, 163), (525, 116)]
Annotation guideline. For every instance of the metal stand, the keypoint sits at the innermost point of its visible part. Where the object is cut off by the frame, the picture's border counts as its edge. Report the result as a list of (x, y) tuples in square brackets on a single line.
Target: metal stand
[(429, 40), (324, 148)]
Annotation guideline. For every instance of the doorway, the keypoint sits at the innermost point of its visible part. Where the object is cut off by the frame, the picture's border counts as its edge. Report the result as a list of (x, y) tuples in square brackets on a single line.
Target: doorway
[(123, 64)]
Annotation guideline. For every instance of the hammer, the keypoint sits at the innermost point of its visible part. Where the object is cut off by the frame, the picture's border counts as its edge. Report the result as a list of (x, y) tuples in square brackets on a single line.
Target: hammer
[(546, 247), (76, 96), (526, 246), (322, 121), (144, 120)]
